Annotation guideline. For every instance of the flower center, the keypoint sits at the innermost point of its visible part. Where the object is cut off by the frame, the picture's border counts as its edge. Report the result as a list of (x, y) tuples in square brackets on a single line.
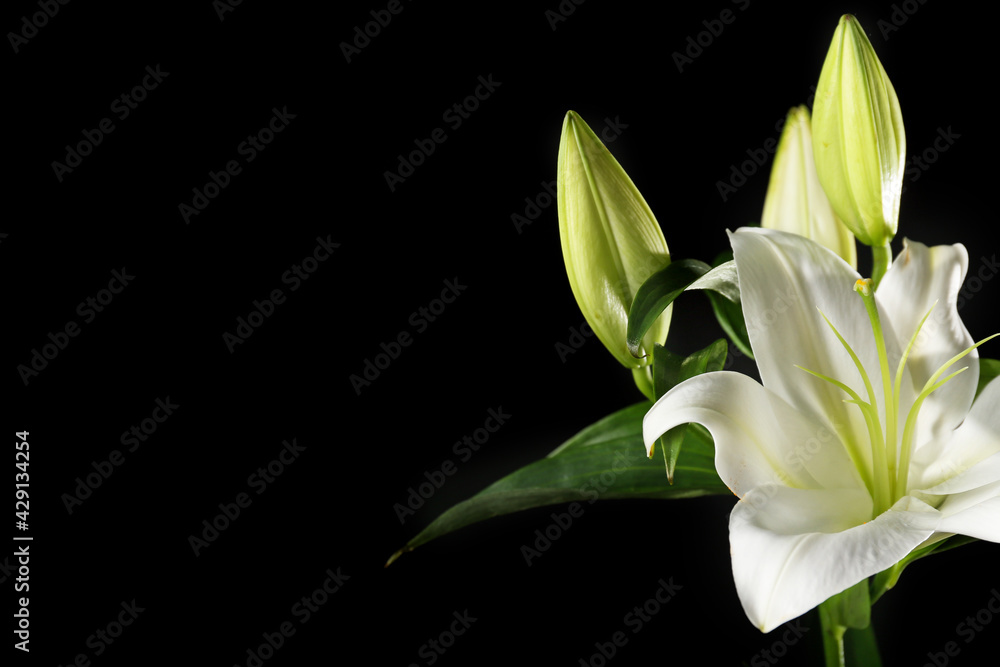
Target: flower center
[(890, 451)]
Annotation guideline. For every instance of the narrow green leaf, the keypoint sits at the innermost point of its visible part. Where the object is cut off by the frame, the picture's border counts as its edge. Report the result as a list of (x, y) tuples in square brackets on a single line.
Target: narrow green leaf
[(729, 313), (887, 578), (671, 369), (667, 369), (730, 317), (658, 292), (579, 470), (988, 370)]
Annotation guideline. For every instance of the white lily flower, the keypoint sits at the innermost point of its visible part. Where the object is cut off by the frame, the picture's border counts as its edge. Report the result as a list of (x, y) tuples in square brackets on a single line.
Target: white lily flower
[(831, 490)]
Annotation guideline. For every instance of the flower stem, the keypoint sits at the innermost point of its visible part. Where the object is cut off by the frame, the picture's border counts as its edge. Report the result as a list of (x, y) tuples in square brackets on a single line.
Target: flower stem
[(881, 260), (643, 378), (833, 637)]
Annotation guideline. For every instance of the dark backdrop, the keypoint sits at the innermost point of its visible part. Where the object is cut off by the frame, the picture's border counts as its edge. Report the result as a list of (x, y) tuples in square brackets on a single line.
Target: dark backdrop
[(107, 544)]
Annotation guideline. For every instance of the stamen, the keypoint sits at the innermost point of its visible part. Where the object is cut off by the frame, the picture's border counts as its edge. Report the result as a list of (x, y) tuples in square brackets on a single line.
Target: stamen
[(853, 449), (906, 354), (864, 288), (881, 487), (885, 481), (930, 387)]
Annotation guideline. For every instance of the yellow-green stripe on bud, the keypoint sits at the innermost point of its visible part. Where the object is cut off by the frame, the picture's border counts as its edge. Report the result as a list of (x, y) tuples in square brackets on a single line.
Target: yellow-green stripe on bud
[(611, 241), (858, 137), (795, 200)]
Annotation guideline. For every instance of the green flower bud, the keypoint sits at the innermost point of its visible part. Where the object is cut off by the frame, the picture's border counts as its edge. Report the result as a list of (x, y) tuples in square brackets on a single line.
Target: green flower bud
[(795, 200), (858, 136), (611, 241)]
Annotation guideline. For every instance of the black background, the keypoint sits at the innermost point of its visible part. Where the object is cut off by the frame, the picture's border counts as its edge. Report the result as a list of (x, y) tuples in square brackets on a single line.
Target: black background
[(323, 176)]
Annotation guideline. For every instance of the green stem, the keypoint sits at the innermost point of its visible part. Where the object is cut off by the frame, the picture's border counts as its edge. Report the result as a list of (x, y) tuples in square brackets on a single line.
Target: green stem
[(833, 637), (643, 378), (885, 580), (881, 260), (861, 647)]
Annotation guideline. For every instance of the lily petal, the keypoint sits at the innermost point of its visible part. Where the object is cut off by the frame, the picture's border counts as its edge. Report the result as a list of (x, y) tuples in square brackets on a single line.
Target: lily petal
[(759, 438), (973, 513), (786, 282), (970, 445), (918, 278), (984, 473), (784, 567)]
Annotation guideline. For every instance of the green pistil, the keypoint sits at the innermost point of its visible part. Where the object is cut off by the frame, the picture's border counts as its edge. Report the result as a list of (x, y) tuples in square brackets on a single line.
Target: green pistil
[(865, 288), (878, 482), (887, 481)]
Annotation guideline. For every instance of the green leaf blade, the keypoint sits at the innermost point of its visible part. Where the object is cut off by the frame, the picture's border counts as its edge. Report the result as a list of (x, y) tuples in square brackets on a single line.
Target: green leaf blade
[(604, 461), (658, 292), (989, 369)]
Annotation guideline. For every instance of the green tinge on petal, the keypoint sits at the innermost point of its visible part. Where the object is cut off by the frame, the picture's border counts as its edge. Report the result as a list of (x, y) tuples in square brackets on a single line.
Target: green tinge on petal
[(611, 241), (795, 200), (858, 137)]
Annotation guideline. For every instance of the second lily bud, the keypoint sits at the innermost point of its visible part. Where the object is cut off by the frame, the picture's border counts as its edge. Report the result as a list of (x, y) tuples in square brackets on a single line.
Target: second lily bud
[(795, 200), (611, 241), (858, 136)]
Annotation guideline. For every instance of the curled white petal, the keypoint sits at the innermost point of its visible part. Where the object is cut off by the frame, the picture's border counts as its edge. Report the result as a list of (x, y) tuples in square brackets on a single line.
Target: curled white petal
[(784, 564), (759, 438), (920, 278)]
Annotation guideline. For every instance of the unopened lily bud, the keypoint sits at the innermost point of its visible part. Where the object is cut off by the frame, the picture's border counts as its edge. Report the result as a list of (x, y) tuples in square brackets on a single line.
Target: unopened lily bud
[(611, 241), (795, 200), (858, 136)]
